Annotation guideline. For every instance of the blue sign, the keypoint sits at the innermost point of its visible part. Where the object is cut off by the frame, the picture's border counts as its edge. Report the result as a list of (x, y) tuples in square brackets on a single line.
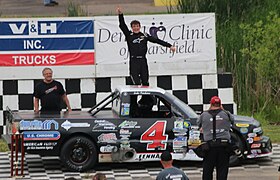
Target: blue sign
[(46, 27), (38, 125), (33, 44), (47, 41), (41, 135)]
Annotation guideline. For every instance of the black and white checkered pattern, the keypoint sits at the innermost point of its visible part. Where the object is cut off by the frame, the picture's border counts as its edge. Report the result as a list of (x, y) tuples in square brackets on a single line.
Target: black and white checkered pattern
[(48, 168), (195, 90)]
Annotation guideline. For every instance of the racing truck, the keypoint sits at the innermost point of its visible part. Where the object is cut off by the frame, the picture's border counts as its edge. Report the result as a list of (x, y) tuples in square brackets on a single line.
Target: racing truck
[(132, 124)]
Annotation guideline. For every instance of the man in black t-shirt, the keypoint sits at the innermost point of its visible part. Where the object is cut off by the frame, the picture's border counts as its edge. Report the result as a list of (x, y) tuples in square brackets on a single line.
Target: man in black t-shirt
[(50, 93)]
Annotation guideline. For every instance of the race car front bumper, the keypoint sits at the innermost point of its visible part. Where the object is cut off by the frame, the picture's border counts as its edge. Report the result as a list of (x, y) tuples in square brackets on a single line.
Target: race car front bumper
[(262, 148)]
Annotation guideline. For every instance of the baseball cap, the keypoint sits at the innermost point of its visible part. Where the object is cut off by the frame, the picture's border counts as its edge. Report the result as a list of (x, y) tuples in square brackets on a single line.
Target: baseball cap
[(215, 100), (166, 156)]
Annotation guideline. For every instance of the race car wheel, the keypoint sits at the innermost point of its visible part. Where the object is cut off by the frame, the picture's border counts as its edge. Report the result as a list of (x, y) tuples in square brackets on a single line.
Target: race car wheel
[(78, 154), (234, 160)]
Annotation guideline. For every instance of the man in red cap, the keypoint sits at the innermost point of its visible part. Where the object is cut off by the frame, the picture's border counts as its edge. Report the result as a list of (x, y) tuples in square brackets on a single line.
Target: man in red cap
[(215, 125)]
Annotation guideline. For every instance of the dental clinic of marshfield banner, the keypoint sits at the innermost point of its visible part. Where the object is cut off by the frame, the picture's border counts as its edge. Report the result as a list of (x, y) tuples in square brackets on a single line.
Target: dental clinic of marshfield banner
[(193, 35)]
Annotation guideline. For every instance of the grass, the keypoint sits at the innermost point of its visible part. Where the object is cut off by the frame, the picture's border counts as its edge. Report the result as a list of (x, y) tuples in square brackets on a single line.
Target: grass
[(272, 131), (75, 9), (3, 146)]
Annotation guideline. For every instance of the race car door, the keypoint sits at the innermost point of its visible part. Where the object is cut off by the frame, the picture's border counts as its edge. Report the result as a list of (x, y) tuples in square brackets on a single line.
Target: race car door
[(151, 126)]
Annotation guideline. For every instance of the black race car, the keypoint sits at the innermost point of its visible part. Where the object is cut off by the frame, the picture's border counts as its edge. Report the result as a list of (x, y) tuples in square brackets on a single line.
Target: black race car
[(139, 124)]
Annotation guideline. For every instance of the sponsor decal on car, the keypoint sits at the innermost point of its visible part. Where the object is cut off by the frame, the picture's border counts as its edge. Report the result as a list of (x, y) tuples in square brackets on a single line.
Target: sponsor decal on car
[(250, 140), (38, 125), (103, 125), (180, 127), (107, 138), (179, 142), (40, 145), (180, 134), (253, 146), (194, 134), (41, 135), (125, 109), (257, 130), (187, 124), (148, 156), (178, 124), (124, 142), (125, 131), (257, 138), (255, 152), (243, 130), (252, 135), (242, 125), (108, 149), (129, 125), (67, 125)]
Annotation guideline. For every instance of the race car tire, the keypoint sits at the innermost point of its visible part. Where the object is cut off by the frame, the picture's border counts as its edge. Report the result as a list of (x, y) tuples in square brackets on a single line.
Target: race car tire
[(78, 154), (234, 160)]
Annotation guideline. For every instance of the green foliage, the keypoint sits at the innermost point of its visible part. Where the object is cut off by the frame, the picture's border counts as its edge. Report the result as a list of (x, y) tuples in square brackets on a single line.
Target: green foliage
[(74, 9), (3, 146), (248, 42), (224, 9), (261, 50)]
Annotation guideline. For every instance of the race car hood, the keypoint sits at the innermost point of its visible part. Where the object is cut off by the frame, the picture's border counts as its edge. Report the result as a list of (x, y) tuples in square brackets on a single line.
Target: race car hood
[(237, 119), (245, 119)]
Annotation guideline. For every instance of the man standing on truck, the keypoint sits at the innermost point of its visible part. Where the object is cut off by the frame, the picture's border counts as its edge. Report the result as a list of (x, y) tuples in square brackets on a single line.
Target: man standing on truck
[(137, 47), (49, 92), (215, 125)]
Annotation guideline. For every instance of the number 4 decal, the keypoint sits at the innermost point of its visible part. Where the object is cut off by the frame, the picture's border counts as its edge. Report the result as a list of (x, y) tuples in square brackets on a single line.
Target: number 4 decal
[(155, 136)]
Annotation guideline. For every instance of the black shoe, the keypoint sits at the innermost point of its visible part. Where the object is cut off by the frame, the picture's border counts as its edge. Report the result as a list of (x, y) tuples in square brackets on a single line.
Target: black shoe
[(54, 2)]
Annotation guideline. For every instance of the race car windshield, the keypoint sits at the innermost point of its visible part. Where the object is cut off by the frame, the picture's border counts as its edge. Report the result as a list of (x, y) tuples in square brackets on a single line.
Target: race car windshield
[(189, 111)]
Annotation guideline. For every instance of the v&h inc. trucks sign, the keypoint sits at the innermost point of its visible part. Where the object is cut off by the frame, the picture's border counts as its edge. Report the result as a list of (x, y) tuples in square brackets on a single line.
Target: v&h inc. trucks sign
[(46, 42)]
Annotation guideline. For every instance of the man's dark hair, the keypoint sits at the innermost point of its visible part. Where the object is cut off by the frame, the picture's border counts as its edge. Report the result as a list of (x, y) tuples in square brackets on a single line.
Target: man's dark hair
[(134, 22), (166, 156)]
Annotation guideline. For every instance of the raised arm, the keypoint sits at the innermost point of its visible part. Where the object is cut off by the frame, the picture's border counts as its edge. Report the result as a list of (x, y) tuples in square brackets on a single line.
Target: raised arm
[(159, 41), (122, 24)]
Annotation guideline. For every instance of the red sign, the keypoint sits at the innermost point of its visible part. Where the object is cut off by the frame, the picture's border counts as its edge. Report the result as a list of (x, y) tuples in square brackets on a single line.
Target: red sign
[(46, 59)]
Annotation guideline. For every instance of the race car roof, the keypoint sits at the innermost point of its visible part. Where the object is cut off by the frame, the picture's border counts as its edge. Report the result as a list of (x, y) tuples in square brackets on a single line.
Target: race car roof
[(136, 88)]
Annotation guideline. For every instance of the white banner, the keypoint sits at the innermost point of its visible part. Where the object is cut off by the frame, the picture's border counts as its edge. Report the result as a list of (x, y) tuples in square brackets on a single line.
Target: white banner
[(193, 35)]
